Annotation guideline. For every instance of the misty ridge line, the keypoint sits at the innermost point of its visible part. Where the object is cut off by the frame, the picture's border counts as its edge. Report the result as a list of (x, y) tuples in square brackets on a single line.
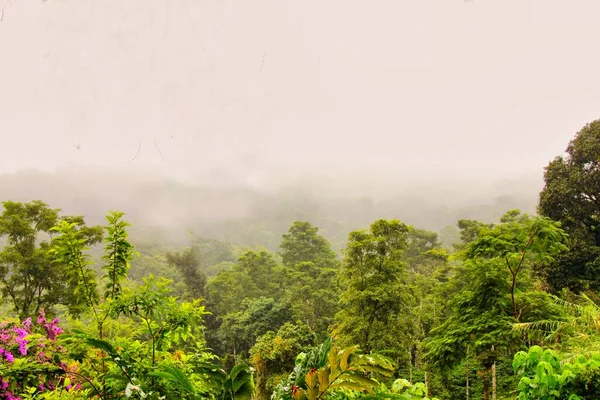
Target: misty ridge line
[(234, 211)]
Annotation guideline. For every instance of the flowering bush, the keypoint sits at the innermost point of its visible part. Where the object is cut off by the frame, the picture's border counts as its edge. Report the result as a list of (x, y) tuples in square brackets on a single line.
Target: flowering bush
[(151, 359), (31, 359), (147, 360)]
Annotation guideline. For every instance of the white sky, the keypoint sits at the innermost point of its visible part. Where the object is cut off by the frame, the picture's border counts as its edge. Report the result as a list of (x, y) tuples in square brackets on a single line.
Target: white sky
[(420, 87)]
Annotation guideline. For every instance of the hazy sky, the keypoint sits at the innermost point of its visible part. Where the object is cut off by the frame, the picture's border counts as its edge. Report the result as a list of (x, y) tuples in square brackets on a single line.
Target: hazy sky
[(435, 87)]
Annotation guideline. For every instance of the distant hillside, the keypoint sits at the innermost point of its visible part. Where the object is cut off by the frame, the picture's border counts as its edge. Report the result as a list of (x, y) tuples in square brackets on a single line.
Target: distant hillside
[(168, 211)]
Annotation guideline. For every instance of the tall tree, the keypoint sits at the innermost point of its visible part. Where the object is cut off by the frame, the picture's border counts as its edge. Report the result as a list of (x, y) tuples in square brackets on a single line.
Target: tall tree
[(429, 273), (28, 277), (375, 297), (498, 269), (274, 354), (313, 294), (479, 326), (518, 244), (259, 266), (419, 243), (312, 288), (302, 243), (117, 254), (571, 195), (69, 253), (256, 317), (254, 277), (469, 230), (187, 263)]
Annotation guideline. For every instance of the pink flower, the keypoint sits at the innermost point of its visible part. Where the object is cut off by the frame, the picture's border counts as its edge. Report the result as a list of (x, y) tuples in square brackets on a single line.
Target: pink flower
[(27, 324), (9, 357), (23, 347), (42, 317), (53, 329), (21, 333)]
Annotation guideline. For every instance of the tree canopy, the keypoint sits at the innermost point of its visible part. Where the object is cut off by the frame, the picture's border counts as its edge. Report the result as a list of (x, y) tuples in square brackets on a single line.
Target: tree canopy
[(571, 195)]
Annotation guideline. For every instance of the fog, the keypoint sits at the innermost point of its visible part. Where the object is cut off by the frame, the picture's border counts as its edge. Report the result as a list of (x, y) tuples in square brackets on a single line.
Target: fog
[(166, 211), (229, 119)]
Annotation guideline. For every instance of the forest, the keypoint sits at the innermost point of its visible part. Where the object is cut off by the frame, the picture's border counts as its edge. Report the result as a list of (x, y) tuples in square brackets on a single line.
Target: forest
[(502, 309)]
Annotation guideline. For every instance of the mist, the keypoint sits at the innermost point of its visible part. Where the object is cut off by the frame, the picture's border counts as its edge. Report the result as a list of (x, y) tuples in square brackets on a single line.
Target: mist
[(171, 212), (229, 120)]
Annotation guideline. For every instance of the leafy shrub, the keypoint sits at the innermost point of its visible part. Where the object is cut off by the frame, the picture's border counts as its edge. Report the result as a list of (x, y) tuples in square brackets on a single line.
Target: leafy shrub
[(546, 377), (33, 362)]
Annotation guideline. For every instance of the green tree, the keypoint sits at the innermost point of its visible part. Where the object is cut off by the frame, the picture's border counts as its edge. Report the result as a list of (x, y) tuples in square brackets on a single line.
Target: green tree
[(498, 267), (419, 245), (479, 329), (429, 275), (450, 236), (302, 243), (226, 291), (68, 252), (118, 252), (310, 282), (260, 267), (571, 195), (517, 244), (188, 264), (313, 295), (272, 356), (246, 302), (575, 327), (149, 263), (469, 231), (28, 276), (240, 330), (196, 263), (375, 298), (225, 294), (211, 253), (148, 360)]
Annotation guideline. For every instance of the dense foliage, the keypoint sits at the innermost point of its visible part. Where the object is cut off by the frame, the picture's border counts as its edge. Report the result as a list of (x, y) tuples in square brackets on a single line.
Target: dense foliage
[(509, 310)]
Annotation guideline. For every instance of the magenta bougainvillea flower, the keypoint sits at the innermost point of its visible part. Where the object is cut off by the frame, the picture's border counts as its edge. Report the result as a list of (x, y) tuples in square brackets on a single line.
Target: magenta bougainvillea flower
[(16, 341)]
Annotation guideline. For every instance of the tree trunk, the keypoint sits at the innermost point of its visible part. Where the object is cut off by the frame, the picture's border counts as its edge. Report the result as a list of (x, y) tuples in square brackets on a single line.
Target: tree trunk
[(494, 381), (486, 384), (234, 354), (410, 365), (468, 367), (513, 286)]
